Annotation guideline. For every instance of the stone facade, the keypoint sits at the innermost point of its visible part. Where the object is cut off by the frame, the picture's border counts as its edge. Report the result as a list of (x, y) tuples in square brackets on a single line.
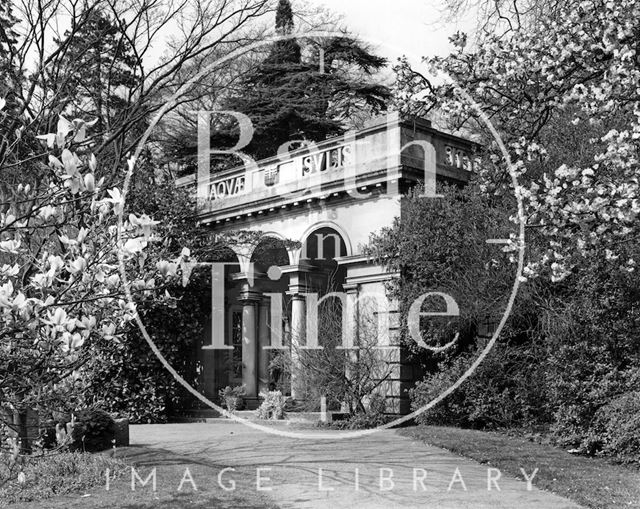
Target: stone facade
[(329, 199)]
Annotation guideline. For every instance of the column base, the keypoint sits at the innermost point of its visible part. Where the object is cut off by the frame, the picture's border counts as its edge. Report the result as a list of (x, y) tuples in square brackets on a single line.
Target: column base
[(251, 403)]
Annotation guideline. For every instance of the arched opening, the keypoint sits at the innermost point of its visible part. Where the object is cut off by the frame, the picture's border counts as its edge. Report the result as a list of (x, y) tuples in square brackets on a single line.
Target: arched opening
[(269, 257), (325, 243), (270, 252), (320, 249), (318, 371)]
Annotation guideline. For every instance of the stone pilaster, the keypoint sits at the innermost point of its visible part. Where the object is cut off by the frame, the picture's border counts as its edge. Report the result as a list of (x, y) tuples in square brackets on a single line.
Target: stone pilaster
[(298, 324), (264, 341), (250, 300)]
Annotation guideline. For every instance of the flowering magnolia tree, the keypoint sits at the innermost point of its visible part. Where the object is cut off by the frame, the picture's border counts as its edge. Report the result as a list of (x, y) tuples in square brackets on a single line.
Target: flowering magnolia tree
[(61, 291), (60, 288), (563, 93), (561, 89)]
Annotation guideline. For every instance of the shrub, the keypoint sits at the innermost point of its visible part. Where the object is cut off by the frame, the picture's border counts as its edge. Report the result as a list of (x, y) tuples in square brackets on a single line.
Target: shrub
[(93, 431), (342, 377), (453, 409), (373, 416), (507, 389), (232, 397), (361, 421), (149, 393), (273, 405), (377, 404), (60, 473), (616, 429)]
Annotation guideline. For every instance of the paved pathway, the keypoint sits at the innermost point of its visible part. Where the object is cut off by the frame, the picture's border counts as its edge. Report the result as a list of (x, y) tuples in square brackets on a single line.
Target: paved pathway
[(295, 465)]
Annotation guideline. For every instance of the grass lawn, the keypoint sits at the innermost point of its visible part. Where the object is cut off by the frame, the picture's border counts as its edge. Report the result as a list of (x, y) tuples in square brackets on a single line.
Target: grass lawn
[(170, 469), (591, 482)]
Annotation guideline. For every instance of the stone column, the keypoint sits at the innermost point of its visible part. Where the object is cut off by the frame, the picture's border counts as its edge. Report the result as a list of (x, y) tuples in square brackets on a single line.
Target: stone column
[(249, 343), (352, 324), (351, 321), (264, 341), (298, 324)]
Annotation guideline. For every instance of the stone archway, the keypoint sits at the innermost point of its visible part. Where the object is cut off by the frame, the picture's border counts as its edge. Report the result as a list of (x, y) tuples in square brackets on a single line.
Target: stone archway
[(321, 248), (269, 259)]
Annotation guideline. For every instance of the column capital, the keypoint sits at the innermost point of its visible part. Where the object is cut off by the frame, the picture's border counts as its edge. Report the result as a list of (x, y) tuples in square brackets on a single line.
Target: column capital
[(264, 300), (296, 290), (351, 288), (248, 296)]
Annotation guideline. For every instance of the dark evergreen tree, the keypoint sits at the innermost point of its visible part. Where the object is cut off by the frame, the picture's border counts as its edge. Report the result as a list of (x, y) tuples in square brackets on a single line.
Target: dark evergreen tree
[(286, 50), (8, 39), (307, 90), (98, 75), (17, 143), (284, 17), (303, 90), (9, 75)]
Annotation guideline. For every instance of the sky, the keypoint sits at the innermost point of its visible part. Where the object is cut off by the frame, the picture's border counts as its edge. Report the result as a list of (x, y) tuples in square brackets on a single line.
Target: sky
[(400, 26), (414, 28)]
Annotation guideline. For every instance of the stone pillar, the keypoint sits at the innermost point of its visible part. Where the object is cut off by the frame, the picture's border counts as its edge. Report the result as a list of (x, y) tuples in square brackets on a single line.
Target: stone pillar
[(264, 341), (249, 343), (298, 324), (351, 322)]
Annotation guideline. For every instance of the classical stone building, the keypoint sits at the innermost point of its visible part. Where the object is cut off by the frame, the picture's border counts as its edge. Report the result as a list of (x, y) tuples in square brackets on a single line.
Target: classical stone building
[(320, 205)]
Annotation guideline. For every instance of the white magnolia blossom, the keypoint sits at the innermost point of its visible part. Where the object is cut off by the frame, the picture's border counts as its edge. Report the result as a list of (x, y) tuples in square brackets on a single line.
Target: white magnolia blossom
[(60, 282), (585, 65)]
